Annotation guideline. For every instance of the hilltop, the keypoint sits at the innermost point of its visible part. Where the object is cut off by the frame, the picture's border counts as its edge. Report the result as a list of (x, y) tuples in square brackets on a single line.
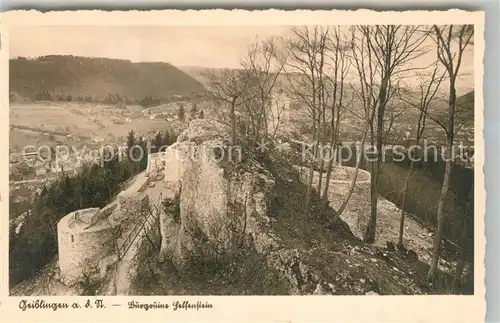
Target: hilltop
[(203, 74), (89, 77), (466, 101)]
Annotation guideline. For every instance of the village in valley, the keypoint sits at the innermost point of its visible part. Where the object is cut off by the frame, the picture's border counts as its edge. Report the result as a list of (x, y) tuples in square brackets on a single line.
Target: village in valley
[(35, 165)]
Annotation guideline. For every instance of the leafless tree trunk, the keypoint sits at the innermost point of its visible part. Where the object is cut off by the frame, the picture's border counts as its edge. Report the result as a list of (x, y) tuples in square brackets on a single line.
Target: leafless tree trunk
[(247, 92), (427, 92), (227, 90), (381, 53), (264, 64), (341, 66), (305, 70), (355, 177), (451, 60)]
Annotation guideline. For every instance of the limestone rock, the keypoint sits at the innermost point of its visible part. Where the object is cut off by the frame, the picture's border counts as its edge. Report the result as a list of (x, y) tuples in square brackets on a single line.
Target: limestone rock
[(225, 206), (201, 130), (106, 263), (169, 230)]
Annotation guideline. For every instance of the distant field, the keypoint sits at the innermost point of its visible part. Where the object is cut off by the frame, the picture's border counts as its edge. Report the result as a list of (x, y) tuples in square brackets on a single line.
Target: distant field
[(50, 122), (169, 108), (20, 138)]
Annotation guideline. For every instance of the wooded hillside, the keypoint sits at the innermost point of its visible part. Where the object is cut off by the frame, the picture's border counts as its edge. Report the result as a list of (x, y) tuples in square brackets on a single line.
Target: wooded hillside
[(69, 78)]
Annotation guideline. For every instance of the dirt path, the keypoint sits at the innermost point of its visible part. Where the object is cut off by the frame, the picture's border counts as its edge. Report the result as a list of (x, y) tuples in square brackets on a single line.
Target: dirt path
[(416, 236), (126, 268)]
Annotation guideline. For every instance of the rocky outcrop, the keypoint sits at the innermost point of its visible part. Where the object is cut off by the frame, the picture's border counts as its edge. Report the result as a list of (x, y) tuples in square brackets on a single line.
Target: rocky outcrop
[(227, 209), (201, 130), (226, 205), (220, 209)]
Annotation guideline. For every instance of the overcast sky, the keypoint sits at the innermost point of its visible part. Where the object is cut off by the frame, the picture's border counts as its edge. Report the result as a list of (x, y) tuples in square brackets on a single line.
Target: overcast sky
[(206, 46)]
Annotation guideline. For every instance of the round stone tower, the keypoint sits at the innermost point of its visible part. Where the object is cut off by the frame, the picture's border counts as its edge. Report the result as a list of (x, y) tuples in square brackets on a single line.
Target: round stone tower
[(84, 237)]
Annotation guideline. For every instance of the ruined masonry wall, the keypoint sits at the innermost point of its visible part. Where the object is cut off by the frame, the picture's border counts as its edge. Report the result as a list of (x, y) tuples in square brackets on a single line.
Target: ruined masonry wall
[(175, 158), (79, 251), (86, 215), (156, 161)]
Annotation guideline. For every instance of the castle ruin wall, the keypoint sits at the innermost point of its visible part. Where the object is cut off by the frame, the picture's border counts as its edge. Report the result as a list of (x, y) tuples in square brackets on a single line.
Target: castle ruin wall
[(81, 248)]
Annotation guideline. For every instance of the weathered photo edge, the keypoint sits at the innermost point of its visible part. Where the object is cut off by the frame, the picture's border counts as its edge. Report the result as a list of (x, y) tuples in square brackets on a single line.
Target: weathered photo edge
[(262, 308)]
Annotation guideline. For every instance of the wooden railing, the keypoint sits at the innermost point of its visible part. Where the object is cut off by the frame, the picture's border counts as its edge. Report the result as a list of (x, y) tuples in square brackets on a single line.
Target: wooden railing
[(145, 224)]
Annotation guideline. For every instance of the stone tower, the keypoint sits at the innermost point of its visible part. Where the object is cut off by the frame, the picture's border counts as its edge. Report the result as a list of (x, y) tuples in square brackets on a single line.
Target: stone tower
[(84, 237)]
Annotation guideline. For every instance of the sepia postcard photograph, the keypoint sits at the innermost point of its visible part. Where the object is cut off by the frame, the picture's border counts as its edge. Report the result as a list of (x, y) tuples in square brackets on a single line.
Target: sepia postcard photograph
[(164, 162)]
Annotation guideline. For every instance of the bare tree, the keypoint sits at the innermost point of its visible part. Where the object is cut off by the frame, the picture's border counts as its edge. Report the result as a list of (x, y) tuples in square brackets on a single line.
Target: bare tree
[(226, 89), (340, 64), (355, 175), (381, 55), (451, 42), (427, 90), (307, 54), (276, 114), (261, 111), (394, 111), (248, 92)]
